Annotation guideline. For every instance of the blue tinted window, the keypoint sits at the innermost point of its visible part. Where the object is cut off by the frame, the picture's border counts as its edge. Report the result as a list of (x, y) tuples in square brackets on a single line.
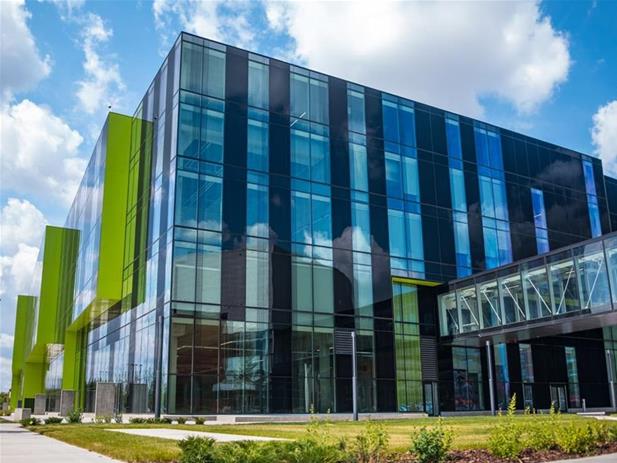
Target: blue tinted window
[(257, 146), (299, 96), (310, 156), (186, 199), (393, 175), (457, 186), (309, 98), (482, 155), (453, 136), (463, 253), (258, 87), (396, 226), (390, 122), (486, 197), (539, 218), (410, 178), (358, 167), (491, 250), (592, 200), (415, 249), (214, 73), (318, 105), (322, 221), (188, 131), (320, 159), (301, 217), (407, 126), (210, 202), (355, 111), (300, 154), (211, 146), (361, 222), (590, 184), (257, 210)]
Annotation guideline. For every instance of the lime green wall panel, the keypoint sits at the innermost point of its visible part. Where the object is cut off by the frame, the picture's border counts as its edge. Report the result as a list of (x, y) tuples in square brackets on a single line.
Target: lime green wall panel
[(21, 344), (113, 221)]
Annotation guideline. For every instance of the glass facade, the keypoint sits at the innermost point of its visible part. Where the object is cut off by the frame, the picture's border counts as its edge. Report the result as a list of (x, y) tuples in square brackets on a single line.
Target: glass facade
[(272, 210)]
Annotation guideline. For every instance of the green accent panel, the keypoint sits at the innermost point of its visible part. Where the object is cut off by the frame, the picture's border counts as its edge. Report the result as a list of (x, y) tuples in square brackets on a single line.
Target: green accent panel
[(73, 372), (52, 310), (21, 344), (135, 256), (34, 379), (113, 221)]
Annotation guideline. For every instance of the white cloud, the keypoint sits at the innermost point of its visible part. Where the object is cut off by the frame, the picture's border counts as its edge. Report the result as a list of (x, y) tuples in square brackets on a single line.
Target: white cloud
[(5, 373), (22, 64), (102, 85), (39, 153), (231, 22), (450, 54), (6, 341), (16, 270), (20, 222), (604, 136)]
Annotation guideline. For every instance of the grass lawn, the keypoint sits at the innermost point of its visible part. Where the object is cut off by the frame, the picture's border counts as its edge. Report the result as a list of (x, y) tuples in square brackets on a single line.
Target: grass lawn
[(469, 432)]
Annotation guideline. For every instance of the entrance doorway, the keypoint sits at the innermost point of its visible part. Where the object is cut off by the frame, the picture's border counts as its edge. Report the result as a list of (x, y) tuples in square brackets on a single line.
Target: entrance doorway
[(559, 397), (431, 400)]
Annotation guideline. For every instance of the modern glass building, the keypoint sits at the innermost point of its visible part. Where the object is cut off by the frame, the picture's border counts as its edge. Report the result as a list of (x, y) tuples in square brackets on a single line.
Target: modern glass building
[(228, 237)]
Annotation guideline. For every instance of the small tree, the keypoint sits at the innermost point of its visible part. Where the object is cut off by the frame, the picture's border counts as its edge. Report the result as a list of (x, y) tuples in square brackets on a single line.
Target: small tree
[(505, 441)]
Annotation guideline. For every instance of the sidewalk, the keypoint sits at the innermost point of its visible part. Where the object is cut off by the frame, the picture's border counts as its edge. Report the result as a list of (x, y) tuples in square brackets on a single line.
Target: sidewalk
[(18, 445), (609, 458)]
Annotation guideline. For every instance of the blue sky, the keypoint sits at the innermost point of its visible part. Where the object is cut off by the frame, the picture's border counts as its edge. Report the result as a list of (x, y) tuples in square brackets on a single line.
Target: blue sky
[(547, 69)]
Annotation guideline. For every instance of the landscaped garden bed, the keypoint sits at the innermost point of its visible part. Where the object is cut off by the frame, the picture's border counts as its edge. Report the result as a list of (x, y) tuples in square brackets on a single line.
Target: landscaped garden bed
[(509, 437)]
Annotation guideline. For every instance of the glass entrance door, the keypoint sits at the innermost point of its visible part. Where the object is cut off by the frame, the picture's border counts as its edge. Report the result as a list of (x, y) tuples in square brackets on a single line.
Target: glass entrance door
[(559, 397), (431, 403)]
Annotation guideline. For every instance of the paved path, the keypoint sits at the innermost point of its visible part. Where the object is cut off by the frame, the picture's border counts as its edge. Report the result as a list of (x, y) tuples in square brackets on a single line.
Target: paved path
[(18, 445), (609, 458), (179, 434)]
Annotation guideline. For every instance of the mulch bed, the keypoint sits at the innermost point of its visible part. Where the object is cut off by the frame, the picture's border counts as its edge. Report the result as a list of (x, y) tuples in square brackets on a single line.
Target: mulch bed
[(528, 456)]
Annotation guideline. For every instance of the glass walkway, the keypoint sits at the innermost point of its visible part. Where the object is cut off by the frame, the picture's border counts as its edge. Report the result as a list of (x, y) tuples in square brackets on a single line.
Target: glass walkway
[(576, 280)]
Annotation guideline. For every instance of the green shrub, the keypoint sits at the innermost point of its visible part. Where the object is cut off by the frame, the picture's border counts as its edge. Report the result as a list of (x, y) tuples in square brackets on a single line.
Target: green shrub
[(253, 452), (505, 440), (199, 420), (118, 418), (540, 434), (371, 444), (53, 420), (576, 439), (32, 421), (165, 420), (431, 444), (198, 450), (181, 420), (74, 417), (137, 420)]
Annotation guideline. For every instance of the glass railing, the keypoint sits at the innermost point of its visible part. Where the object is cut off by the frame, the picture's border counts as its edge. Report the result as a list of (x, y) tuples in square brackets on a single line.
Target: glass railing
[(579, 279)]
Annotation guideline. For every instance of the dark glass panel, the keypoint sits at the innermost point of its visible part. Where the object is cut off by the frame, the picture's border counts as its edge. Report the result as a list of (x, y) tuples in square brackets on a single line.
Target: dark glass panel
[(438, 131)]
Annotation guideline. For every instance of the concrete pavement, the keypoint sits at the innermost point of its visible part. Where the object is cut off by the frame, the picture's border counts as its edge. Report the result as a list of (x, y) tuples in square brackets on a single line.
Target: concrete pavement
[(18, 445), (609, 458)]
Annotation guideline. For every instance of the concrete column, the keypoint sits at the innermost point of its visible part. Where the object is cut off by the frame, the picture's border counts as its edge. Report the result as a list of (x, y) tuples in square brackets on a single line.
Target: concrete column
[(40, 401), (105, 399), (21, 414), (67, 402), (491, 381)]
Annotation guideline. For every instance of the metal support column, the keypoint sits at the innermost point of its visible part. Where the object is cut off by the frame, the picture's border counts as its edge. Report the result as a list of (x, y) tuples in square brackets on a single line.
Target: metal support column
[(491, 381), (158, 380), (354, 378), (611, 377)]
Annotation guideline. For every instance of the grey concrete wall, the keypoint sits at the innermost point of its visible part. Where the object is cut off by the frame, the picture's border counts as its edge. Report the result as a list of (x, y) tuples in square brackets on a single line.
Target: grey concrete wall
[(21, 414), (105, 399), (40, 401), (67, 402)]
